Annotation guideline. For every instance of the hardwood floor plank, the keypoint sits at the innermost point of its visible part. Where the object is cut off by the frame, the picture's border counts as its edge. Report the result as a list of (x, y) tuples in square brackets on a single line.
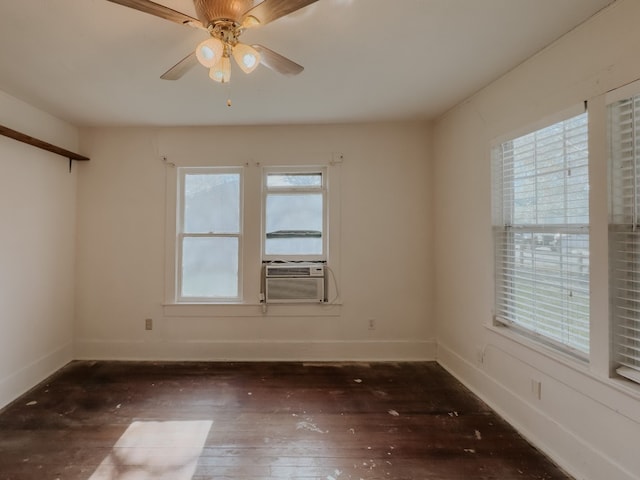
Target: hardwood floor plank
[(260, 421)]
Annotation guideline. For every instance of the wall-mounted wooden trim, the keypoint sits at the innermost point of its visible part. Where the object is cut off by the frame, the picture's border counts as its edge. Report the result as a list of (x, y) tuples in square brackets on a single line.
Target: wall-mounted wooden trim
[(21, 137)]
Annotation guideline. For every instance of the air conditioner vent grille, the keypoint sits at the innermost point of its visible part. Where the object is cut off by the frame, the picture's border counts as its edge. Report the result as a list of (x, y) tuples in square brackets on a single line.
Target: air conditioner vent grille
[(294, 289)]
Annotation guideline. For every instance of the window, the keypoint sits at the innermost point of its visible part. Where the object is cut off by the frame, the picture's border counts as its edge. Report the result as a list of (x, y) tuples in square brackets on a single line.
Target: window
[(294, 214), (209, 234), (541, 235), (624, 233), (224, 222)]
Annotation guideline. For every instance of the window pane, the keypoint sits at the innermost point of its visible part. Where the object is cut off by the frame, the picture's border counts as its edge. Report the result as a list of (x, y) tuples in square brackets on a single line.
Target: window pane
[(548, 174), (546, 285), (212, 203), (292, 180), (625, 290), (210, 267), (294, 224)]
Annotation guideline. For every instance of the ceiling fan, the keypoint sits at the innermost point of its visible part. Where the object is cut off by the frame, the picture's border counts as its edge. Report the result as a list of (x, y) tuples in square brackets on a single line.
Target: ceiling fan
[(225, 20)]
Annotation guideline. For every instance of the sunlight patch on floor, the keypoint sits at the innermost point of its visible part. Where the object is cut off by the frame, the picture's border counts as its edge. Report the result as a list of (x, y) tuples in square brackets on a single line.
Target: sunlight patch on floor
[(156, 450)]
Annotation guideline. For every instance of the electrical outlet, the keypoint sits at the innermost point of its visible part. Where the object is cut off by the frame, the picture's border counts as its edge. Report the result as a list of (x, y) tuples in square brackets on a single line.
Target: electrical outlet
[(148, 324), (480, 354), (536, 389), (372, 323)]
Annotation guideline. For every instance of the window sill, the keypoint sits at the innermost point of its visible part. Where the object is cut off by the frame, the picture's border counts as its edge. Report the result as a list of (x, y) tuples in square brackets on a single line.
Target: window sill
[(540, 347), (215, 310)]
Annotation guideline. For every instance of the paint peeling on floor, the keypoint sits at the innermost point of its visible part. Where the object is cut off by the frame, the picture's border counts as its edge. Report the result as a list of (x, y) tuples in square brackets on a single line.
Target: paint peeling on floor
[(478, 435), (312, 427), (337, 474), (393, 413), (371, 464)]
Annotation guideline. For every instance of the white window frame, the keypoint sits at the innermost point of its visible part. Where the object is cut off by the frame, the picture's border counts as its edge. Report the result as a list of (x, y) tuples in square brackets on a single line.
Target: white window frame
[(505, 249), (181, 235), (250, 305), (624, 229), (266, 190)]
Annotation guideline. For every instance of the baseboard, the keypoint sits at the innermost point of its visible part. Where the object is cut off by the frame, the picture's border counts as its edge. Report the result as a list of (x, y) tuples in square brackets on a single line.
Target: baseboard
[(21, 381), (572, 453), (257, 350)]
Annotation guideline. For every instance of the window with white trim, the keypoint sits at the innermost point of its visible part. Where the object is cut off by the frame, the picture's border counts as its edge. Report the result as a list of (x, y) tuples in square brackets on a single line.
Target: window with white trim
[(541, 235), (209, 240), (295, 214), (624, 233)]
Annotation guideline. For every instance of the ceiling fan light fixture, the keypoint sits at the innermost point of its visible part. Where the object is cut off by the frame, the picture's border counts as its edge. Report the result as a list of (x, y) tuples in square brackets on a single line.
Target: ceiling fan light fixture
[(246, 57), (225, 21), (221, 72), (210, 52)]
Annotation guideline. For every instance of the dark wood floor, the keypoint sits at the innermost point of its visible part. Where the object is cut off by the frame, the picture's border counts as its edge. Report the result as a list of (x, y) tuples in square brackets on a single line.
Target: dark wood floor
[(194, 421)]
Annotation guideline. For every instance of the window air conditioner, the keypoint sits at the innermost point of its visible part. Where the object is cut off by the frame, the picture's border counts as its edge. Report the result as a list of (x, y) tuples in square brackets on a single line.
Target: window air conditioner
[(294, 283)]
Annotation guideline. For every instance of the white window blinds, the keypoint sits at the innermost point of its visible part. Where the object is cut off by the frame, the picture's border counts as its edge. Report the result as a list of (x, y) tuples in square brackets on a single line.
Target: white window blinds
[(624, 233), (541, 234)]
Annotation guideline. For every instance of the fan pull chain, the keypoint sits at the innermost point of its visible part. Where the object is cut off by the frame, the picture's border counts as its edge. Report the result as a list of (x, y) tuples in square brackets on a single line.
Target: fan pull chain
[(228, 95)]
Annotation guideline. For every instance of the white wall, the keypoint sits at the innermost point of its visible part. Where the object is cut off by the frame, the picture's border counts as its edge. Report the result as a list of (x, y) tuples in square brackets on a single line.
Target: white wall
[(586, 421), (385, 231), (37, 250), (391, 239)]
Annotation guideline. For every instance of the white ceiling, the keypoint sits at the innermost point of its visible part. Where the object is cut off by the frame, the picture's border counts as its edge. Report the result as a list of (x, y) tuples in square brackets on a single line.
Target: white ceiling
[(93, 62)]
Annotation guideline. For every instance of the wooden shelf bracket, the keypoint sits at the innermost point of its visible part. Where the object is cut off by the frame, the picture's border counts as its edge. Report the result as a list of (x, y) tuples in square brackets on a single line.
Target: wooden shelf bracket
[(21, 137)]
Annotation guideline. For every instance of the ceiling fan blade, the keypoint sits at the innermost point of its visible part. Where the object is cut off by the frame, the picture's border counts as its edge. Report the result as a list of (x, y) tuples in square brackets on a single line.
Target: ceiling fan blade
[(271, 10), (277, 62), (161, 11), (180, 68)]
